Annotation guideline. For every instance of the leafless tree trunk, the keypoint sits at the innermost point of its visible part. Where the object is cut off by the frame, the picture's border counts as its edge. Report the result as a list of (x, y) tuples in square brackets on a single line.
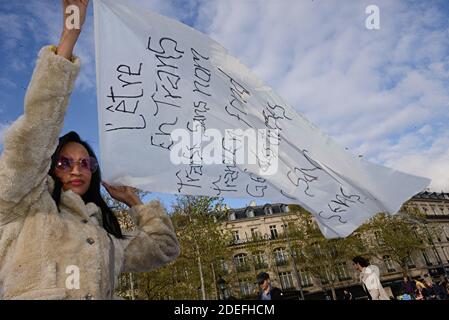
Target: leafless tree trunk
[(200, 268), (214, 282), (131, 282)]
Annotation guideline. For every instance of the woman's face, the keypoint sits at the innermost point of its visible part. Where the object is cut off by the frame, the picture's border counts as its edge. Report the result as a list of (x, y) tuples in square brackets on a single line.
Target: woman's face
[(73, 168)]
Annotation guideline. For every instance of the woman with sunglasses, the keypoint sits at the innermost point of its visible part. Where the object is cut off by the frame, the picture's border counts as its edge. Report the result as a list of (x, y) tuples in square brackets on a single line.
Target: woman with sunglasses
[(58, 237)]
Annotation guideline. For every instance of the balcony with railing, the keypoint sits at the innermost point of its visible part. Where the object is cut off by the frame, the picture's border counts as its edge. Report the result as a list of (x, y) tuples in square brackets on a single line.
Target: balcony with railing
[(242, 267), (281, 262), (260, 265)]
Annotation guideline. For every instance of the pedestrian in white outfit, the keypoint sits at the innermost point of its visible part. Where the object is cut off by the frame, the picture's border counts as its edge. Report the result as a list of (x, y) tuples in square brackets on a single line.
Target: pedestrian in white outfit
[(370, 278)]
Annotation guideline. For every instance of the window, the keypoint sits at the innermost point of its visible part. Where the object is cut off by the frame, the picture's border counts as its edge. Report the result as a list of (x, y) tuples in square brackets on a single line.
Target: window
[(439, 210), (288, 229), (433, 210), (437, 256), (273, 232), (410, 262), (246, 288), (441, 235), (240, 258), (250, 213), (280, 256), (296, 253), (286, 280), (426, 258), (255, 234), (333, 251), (260, 261), (241, 262), (268, 210), (223, 265), (342, 271), (446, 232), (325, 277), (389, 264), (284, 227), (306, 279), (232, 216), (235, 236)]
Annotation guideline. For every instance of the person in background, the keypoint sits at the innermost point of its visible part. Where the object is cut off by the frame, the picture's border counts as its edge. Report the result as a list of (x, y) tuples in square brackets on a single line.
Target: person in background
[(409, 286), (347, 295), (433, 291), (266, 290), (370, 278), (419, 295)]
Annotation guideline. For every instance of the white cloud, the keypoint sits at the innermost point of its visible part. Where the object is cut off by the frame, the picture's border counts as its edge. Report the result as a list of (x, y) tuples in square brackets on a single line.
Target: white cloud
[(7, 84), (11, 29), (380, 93), (17, 65), (430, 161), (426, 130)]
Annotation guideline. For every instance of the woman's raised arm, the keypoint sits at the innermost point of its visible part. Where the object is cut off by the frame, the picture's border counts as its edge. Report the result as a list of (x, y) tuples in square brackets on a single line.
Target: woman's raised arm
[(74, 13), (31, 140)]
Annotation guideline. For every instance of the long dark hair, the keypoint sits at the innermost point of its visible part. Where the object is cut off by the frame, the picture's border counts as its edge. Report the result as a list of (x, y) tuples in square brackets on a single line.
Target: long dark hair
[(361, 261), (93, 194)]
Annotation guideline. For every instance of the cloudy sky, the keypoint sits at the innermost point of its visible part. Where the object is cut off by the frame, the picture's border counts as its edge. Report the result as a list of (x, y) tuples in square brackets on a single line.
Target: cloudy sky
[(382, 94)]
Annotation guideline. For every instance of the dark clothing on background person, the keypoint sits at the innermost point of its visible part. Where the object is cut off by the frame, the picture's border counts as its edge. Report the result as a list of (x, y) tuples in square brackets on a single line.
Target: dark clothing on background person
[(367, 292), (409, 287), (267, 291), (434, 291), (347, 295), (273, 294), (440, 291), (429, 293)]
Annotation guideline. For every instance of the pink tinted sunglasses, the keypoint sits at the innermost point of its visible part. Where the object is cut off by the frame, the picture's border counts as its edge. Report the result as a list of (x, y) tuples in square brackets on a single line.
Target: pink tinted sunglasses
[(87, 164)]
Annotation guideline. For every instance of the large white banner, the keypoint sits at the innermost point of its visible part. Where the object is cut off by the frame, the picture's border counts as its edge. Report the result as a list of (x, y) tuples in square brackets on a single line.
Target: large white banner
[(179, 115)]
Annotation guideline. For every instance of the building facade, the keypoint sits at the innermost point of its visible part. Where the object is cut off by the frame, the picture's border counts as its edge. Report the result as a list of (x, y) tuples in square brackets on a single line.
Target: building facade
[(261, 243)]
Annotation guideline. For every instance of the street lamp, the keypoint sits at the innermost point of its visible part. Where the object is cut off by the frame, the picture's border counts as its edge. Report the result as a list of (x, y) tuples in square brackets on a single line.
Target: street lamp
[(221, 283)]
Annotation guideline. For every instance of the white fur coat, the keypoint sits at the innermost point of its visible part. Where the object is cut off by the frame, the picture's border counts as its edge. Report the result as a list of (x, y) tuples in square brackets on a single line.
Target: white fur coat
[(42, 248)]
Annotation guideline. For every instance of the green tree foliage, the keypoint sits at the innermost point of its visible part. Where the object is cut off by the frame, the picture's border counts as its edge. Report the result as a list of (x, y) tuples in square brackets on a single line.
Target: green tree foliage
[(398, 236), (323, 259), (202, 245)]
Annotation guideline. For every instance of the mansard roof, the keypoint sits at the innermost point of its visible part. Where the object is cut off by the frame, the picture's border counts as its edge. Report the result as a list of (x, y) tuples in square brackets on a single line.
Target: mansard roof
[(426, 195)]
